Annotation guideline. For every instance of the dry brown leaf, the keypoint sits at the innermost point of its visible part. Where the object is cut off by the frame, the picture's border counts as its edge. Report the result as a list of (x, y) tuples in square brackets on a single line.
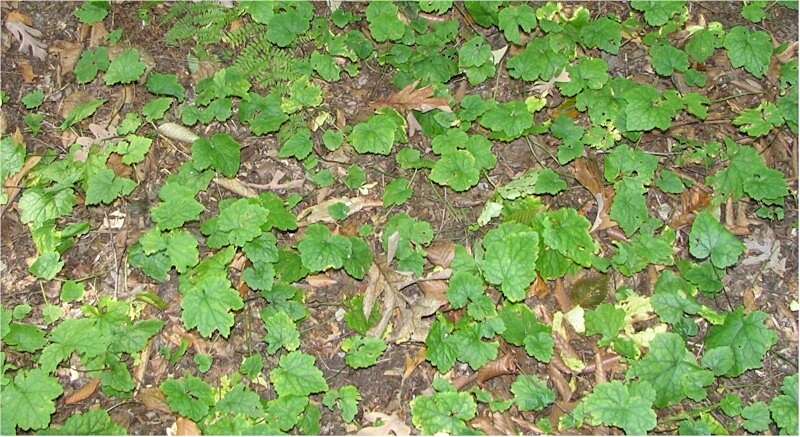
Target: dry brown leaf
[(19, 25), (83, 393), (562, 297), (320, 213), (235, 186), (390, 425), (320, 281), (561, 384), (410, 98), (26, 71), (412, 363), (434, 289), (184, 426), (539, 288), (153, 399), (177, 132), (587, 172), (692, 200), (441, 253), (98, 34)]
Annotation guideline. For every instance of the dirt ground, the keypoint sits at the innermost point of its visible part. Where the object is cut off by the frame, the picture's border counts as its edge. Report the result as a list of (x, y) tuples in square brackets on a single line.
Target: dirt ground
[(100, 255)]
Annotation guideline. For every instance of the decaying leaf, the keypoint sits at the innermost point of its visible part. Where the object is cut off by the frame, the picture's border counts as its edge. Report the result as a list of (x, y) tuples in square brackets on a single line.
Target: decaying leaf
[(389, 425), (26, 71), (410, 98), (177, 132), (83, 393), (68, 53), (320, 213), (587, 172), (184, 426), (441, 253), (153, 399), (19, 25), (692, 200)]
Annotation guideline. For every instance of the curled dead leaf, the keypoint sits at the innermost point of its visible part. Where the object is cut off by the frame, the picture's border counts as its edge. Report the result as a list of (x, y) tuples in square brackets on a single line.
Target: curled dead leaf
[(153, 399), (692, 200), (83, 393), (184, 426), (441, 253), (410, 98)]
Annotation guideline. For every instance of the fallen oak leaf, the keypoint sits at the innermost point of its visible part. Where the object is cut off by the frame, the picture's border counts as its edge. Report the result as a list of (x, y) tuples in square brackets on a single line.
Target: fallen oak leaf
[(19, 25), (83, 393), (410, 98)]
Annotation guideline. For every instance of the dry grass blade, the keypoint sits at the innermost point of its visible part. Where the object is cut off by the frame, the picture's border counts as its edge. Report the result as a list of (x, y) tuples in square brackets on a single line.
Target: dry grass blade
[(410, 97)]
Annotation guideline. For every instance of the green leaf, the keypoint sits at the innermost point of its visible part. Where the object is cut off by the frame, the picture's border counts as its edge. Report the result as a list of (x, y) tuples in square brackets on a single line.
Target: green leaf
[(129, 124), (33, 99), (105, 187), (567, 232), (587, 73), (731, 405), (238, 222), (747, 338), (296, 375), (133, 149), (127, 67), (325, 66), (71, 291), (359, 261), (155, 109), (507, 120), (397, 192), (208, 305), (751, 50), (754, 11), (604, 33), (524, 329), (756, 417), (697, 105), (475, 59), (615, 404), (383, 22), (356, 177), (513, 18), (203, 362), (642, 250), (166, 85), (647, 109), (672, 371), (28, 399), (629, 209), (320, 250), (346, 398), (539, 61), (669, 182), (667, 59), (606, 320), (471, 349), (240, 400), (24, 337), (456, 169), (748, 174), (710, 238), (221, 152), (47, 265), (263, 114), (412, 236), (444, 412), (92, 422), (784, 408), (703, 43), (759, 121), (189, 396), (657, 12), (284, 27), (92, 11), (510, 260), (303, 94), (376, 135), (81, 112), (90, 63), (531, 393), (281, 333), (298, 145), (362, 352), (442, 349)]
